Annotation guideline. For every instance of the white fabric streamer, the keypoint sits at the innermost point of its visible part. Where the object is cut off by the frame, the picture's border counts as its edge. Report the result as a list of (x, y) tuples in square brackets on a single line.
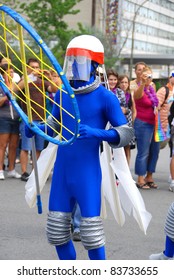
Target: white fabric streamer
[(109, 187), (129, 197), (45, 164)]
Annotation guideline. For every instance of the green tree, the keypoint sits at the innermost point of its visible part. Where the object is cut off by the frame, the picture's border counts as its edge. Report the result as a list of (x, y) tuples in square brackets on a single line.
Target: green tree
[(47, 17)]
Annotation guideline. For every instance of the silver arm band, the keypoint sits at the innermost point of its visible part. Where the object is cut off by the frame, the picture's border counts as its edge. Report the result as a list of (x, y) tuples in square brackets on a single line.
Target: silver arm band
[(126, 133), (52, 123)]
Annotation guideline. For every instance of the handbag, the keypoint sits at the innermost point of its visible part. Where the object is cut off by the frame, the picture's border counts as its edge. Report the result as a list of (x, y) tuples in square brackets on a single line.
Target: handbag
[(159, 134)]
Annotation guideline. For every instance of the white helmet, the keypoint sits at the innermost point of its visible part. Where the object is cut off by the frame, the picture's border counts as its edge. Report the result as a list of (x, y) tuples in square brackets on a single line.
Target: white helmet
[(80, 52)]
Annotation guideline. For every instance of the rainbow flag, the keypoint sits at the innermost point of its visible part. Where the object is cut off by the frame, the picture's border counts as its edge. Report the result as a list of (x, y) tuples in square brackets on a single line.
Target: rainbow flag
[(159, 134)]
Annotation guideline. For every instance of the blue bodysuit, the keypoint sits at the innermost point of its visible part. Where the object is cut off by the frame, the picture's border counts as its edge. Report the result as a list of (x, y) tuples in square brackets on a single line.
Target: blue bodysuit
[(77, 172)]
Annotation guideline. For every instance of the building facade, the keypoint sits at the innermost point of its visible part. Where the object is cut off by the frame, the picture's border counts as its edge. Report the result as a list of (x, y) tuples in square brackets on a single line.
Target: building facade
[(148, 27), (141, 30)]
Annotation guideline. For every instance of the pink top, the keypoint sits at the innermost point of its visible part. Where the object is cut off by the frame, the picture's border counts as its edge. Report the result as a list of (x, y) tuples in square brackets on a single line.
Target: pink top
[(145, 111)]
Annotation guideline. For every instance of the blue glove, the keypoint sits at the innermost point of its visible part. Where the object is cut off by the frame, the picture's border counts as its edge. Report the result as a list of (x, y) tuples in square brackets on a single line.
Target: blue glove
[(88, 132), (28, 132)]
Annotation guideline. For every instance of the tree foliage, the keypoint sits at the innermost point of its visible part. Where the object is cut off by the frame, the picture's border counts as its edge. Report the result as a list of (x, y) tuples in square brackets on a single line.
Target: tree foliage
[(47, 18)]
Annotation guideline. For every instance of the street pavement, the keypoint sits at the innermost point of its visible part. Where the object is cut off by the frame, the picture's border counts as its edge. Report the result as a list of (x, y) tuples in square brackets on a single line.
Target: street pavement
[(22, 230)]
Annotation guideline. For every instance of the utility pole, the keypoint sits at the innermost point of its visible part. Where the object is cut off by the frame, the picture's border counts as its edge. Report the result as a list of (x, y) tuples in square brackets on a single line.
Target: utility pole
[(133, 31), (93, 12)]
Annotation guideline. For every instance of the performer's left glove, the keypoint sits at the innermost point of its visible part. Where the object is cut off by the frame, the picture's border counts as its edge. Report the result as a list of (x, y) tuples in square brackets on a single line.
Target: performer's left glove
[(28, 132), (88, 132)]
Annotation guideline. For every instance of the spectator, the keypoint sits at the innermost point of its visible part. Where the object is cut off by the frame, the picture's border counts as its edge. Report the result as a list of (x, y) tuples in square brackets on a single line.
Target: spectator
[(139, 66), (35, 83), (123, 84), (9, 128), (55, 79), (171, 124), (7, 60), (164, 95), (171, 143), (101, 73), (113, 86), (15, 78), (147, 149), (113, 78)]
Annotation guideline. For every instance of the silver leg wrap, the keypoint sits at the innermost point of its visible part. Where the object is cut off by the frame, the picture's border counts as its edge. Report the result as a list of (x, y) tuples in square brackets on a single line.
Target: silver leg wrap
[(92, 233), (58, 228), (126, 133), (169, 224)]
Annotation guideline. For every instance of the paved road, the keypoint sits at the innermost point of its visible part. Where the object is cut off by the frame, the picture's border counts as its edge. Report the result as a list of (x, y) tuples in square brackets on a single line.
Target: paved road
[(22, 230)]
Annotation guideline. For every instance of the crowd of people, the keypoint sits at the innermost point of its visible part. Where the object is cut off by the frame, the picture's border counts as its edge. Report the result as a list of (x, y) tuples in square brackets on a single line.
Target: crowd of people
[(140, 103), (13, 140), (136, 98)]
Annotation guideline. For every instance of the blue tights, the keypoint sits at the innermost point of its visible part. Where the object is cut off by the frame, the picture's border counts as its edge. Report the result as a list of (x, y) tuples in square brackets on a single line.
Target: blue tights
[(67, 252), (169, 248)]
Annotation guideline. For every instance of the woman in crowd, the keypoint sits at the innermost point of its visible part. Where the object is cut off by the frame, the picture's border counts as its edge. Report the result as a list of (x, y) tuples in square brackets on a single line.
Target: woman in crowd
[(113, 86), (139, 66), (130, 112), (9, 129), (146, 103)]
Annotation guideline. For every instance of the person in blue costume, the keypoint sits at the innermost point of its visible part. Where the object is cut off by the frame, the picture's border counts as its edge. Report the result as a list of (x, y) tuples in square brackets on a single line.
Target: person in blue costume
[(77, 173)]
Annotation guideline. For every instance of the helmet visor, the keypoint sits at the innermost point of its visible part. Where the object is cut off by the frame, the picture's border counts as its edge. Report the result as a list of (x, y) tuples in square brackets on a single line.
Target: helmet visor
[(77, 68)]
